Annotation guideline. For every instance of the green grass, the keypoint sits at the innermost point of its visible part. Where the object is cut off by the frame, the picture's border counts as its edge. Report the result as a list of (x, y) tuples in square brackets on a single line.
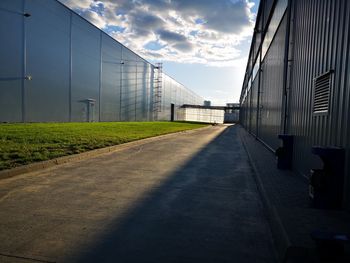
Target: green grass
[(27, 143)]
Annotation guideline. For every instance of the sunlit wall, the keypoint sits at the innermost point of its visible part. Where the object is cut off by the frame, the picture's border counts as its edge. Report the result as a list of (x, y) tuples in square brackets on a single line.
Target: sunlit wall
[(57, 67)]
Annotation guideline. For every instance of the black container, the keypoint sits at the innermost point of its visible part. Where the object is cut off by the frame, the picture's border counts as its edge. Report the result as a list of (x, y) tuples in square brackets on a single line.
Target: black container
[(285, 153), (326, 184)]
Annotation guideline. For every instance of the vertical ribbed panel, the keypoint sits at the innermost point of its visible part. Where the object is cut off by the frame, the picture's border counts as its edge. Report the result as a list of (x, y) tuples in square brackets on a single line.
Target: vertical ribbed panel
[(175, 93), (249, 109), (267, 10), (319, 112), (243, 114), (321, 44), (272, 89), (253, 104), (11, 60), (78, 73)]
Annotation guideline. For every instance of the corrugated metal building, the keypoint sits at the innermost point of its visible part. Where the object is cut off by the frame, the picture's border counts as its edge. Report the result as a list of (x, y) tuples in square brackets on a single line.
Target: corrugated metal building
[(56, 66), (297, 79)]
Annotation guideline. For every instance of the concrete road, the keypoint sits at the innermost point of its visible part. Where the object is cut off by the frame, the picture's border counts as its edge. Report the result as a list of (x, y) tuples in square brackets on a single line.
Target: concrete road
[(186, 198)]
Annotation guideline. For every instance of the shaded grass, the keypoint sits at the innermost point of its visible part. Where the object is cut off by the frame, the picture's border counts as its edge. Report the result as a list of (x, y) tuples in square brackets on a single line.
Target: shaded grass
[(32, 142)]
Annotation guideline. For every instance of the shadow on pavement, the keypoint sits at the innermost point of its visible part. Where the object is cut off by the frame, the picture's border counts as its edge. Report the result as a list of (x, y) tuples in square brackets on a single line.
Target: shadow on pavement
[(208, 210)]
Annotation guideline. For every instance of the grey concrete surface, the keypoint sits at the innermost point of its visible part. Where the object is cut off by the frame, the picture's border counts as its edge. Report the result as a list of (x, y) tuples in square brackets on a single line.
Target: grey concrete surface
[(188, 198), (291, 215)]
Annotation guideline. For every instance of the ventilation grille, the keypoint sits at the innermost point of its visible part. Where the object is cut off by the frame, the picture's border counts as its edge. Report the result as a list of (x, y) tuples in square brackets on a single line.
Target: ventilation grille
[(322, 87)]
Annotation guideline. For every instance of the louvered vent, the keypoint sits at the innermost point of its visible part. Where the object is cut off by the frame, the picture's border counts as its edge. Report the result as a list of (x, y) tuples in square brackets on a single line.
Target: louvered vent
[(322, 88)]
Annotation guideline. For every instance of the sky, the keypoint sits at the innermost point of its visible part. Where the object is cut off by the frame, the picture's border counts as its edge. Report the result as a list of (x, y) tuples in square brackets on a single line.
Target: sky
[(203, 44)]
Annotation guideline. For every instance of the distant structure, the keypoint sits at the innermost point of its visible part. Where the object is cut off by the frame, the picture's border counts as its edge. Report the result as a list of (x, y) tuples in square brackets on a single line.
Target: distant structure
[(231, 113), (198, 113), (295, 96), (57, 67), (209, 114), (207, 103)]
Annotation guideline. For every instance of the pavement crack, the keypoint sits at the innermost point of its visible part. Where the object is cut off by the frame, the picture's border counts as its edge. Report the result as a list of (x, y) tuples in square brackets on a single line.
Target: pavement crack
[(139, 149), (26, 258)]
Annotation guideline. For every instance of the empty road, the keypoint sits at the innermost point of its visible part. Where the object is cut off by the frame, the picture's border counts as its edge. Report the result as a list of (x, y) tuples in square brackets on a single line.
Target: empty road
[(184, 198)]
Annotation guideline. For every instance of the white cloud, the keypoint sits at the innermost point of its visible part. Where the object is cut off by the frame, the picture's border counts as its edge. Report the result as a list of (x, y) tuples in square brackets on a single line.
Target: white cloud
[(77, 4), (94, 18), (189, 31)]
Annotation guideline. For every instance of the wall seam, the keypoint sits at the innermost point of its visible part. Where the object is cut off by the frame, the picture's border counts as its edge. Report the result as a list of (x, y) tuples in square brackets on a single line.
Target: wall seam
[(70, 66)]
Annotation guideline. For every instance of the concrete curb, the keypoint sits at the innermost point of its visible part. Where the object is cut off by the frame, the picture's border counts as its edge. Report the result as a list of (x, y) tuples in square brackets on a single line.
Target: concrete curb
[(279, 233), (89, 154)]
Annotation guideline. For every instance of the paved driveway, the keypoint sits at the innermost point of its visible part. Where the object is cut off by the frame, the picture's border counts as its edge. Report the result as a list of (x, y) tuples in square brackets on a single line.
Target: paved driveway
[(185, 198)]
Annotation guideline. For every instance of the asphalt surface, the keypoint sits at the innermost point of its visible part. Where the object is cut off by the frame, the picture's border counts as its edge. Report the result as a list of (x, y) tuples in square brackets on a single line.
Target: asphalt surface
[(187, 198)]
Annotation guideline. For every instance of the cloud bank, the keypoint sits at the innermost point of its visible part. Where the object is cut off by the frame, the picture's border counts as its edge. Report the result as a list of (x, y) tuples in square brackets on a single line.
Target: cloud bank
[(208, 32)]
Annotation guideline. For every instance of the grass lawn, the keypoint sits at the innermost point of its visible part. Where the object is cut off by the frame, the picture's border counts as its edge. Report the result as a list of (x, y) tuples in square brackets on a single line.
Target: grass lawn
[(32, 142)]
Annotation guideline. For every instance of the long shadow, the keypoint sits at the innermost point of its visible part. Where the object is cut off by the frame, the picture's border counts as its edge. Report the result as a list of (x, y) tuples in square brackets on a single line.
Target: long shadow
[(207, 211)]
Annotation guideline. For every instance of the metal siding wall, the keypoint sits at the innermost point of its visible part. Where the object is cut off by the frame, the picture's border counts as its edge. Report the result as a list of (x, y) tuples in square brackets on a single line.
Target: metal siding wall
[(176, 93), (48, 49), (253, 105), (71, 61), (267, 9), (86, 63), (167, 98), (111, 79), (151, 92), (249, 111), (272, 89), (11, 57), (246, 111), (143, 94), (128, 86), (139, 95), (243, 114), (321, 44)]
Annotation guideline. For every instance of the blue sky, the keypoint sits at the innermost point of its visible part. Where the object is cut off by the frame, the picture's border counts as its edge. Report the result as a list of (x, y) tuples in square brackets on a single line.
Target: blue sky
[(203, 44)]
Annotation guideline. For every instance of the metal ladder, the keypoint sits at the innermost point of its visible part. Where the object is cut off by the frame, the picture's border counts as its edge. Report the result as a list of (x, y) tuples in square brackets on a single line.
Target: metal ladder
[(157, 91)]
